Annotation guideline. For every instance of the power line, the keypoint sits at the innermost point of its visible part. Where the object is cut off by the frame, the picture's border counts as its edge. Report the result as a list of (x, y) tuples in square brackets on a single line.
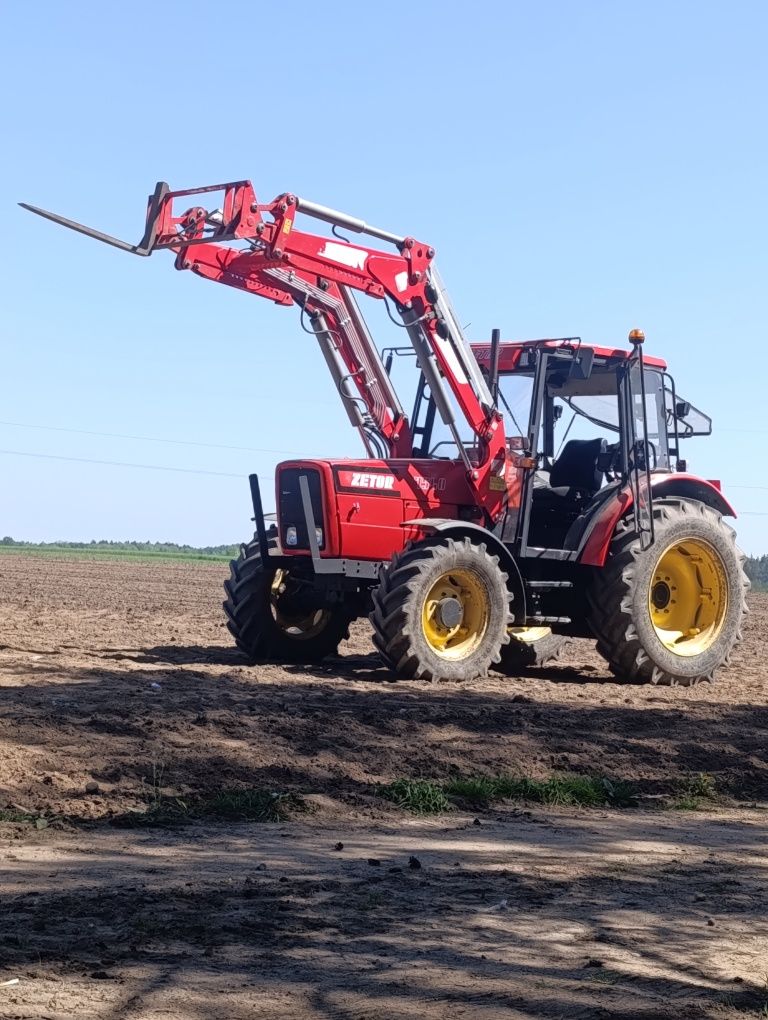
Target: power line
[(230, 474), (147, 439), (120, 463), (761, 432)]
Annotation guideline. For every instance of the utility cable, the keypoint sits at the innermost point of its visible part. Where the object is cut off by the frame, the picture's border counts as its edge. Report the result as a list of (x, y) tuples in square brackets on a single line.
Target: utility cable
[(120, 463), (148, 439)]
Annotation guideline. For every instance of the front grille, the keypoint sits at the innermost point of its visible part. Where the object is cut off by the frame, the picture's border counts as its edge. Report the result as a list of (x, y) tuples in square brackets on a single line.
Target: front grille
[(291, 510)]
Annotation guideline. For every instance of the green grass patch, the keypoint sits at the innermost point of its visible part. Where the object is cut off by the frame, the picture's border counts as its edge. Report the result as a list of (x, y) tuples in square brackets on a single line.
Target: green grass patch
[(12, 815), (428, 797), (566, 790), (241, 805), (686, 804), (24, 818), (694, 790), (420, 796)]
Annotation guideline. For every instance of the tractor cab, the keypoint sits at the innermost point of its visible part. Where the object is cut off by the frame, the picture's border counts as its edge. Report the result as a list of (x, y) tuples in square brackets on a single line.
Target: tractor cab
[(586, 419)]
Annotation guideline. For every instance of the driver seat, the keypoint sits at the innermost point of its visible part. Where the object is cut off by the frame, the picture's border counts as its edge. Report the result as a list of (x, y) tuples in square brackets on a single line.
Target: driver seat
[(575, 477)]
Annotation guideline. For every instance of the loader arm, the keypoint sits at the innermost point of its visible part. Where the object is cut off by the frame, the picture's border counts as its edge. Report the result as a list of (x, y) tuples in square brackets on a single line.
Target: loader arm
[(258, 249)]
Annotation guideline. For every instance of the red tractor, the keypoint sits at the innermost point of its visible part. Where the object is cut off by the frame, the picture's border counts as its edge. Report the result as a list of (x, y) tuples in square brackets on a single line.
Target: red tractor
[(470, 537)]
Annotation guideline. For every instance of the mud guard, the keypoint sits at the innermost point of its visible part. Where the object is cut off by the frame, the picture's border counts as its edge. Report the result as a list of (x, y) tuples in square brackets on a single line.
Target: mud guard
[(686, 486), (476, 533)]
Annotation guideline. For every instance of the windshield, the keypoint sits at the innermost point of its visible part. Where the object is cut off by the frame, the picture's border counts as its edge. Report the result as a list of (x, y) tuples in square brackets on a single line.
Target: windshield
[(602, 409)]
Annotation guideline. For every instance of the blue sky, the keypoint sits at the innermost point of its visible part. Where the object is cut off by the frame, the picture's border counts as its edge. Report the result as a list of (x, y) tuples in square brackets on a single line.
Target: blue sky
[(581, 169)]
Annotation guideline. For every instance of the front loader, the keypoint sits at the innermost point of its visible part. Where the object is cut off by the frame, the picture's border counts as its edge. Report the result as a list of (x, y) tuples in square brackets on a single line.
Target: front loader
[(467, 534)]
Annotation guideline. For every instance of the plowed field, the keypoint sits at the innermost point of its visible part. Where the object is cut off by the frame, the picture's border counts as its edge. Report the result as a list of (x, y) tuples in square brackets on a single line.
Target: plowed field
[(119, 685)]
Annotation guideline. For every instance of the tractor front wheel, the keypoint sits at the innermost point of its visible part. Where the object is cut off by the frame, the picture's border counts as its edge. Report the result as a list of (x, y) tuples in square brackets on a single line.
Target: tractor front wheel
[(441, 610), (672, 613), (268, 618)]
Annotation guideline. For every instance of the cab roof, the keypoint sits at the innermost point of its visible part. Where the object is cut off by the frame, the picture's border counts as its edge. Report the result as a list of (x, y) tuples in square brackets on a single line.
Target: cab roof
[(511, 350)]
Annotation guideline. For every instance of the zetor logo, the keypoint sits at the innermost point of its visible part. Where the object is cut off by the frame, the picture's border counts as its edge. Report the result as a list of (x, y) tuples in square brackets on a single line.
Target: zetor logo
[(364, 480)]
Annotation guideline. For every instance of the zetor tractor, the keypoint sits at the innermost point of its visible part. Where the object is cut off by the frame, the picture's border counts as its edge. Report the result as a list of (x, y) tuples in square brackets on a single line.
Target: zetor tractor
[(472, 534)]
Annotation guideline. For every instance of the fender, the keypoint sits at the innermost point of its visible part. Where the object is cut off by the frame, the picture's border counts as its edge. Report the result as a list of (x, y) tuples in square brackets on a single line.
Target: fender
[(601, 530), (476, 533)]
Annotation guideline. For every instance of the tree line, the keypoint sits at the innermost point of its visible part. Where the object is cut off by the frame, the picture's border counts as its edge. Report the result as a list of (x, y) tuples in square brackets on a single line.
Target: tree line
[(757, 571), (97, 545), (756, 566)]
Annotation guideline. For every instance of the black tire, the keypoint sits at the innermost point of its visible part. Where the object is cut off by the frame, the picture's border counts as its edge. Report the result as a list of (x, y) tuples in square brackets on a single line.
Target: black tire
[(520, 655), (694, 551), (474, 582), (253, 616)]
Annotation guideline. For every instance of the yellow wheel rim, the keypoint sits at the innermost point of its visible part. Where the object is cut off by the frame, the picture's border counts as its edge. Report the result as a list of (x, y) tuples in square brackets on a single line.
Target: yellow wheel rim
[(688, 597), (301, 627), (529, 635), (455, 614)]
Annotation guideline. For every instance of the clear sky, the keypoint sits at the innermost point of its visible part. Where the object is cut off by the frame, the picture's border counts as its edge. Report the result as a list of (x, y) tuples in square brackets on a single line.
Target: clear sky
[(582, 168)]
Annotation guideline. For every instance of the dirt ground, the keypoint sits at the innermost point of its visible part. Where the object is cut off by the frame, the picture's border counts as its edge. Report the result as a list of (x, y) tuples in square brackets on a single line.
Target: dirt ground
[(121, 674)]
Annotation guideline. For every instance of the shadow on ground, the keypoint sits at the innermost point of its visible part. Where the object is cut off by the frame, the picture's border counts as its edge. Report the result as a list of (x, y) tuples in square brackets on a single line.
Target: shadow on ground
[(569, 919)]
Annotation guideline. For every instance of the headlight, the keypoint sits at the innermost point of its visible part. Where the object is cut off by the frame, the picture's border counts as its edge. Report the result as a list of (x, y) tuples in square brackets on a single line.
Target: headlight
[(291, 535)]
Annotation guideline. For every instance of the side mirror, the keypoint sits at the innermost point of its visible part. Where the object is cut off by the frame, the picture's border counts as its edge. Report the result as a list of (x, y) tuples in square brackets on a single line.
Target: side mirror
[(682, 409)]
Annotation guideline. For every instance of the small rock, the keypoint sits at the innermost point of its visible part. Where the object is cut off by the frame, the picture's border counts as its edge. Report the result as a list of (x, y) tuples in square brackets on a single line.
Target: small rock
[(593, 963), (101, 975), (414, 862), (338, 846), (92, 787), (710, 922), (260, 867), (477, 822), (374, 862)]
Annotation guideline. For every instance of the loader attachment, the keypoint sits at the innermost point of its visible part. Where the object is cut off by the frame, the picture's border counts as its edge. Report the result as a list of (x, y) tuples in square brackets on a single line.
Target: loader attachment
[(134, 249), (145, 245), (237, 218)]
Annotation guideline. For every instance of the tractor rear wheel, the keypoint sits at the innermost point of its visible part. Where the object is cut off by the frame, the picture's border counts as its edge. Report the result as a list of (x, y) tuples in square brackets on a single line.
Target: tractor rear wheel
[(268, 622), (441, 610), (531, 648), (670, 614)]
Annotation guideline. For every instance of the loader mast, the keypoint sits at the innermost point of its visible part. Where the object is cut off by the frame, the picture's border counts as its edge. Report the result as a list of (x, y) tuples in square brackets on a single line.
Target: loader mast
[(257, 248)]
